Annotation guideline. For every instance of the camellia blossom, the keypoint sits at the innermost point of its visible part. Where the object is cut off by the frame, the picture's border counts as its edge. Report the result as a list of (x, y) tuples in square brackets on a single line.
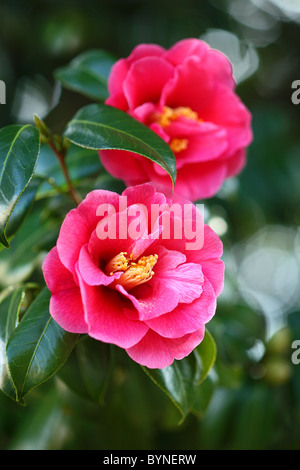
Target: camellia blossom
[(142, 290), (187, 96)]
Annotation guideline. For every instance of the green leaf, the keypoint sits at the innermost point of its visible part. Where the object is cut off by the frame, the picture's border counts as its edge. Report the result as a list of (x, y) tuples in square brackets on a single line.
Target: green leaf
[(23, 206), (38, 347), (95, 362), (24, 255), (89, 369), (19, 152), (207, 352), (87, 74), (182, 380), (9, 319), (102, 127)]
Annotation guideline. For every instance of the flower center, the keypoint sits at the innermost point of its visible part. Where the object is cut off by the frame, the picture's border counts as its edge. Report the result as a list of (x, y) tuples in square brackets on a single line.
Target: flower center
[(177, 145), (168, 115), (134, 273)]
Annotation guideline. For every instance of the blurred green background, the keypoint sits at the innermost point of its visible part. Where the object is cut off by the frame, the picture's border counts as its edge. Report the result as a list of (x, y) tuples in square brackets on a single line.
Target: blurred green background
[(254, 389)]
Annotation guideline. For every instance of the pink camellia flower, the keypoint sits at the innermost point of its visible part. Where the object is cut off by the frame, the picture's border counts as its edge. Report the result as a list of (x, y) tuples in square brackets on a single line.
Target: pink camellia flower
[(131, 275), (187, 96)]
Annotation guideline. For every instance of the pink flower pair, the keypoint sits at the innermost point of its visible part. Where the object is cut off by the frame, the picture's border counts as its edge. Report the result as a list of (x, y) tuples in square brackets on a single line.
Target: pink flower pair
[(153, 294)]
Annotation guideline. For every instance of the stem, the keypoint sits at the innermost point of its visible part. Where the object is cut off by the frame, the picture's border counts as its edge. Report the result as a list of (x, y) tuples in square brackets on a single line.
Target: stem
[(61, 158)]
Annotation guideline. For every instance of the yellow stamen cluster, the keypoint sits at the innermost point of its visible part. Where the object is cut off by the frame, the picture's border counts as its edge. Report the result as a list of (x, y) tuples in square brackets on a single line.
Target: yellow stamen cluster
[(138, 273), (177, 145), (118, 263), (135, 273), (169, 114)]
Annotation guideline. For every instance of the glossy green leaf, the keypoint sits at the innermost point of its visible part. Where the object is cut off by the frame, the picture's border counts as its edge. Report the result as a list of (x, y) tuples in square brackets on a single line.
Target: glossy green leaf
[(95, 361), (203, 399), (207, 351), (9, 319), (38, 347), (87, 74), (99, 127), (24, 255), (89, 369), (182, 380), (23, 206), (19, 152)]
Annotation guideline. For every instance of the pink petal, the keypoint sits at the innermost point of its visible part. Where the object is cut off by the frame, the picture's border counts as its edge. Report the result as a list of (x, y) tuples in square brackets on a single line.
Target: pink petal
[(120, 69), (145, 194), (145, 80), (118, 100), (151, 301), (116, 77), (185, 282), (156, 352), (191, 86), (105, 315), (185, 48), (213, 270), (227, 110), (90, 272), (67, 310), (175, 275), (212, 248), (144, 112), (65, 303), (79, 224), (207, 144), (57, 277), (218, 64), (209, 258), (186, 318), (200, 181), (236, 163), (145, 50), (126, 166), (173, 282)]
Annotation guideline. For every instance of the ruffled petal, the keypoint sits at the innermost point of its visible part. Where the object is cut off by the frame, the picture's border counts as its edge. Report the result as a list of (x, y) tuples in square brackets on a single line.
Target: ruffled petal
[(186, 318), (221, 68), (209, 258), (120, 70), (156, 352), (191, 86), (202, 180), (67, 310), (126, 166), (145, 80), (185, 280), (80, 223), (105, 315), (205, 141), (185, 48), (226, 109), (91, 273), (65, 303), (236, 163), (57, 277)]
